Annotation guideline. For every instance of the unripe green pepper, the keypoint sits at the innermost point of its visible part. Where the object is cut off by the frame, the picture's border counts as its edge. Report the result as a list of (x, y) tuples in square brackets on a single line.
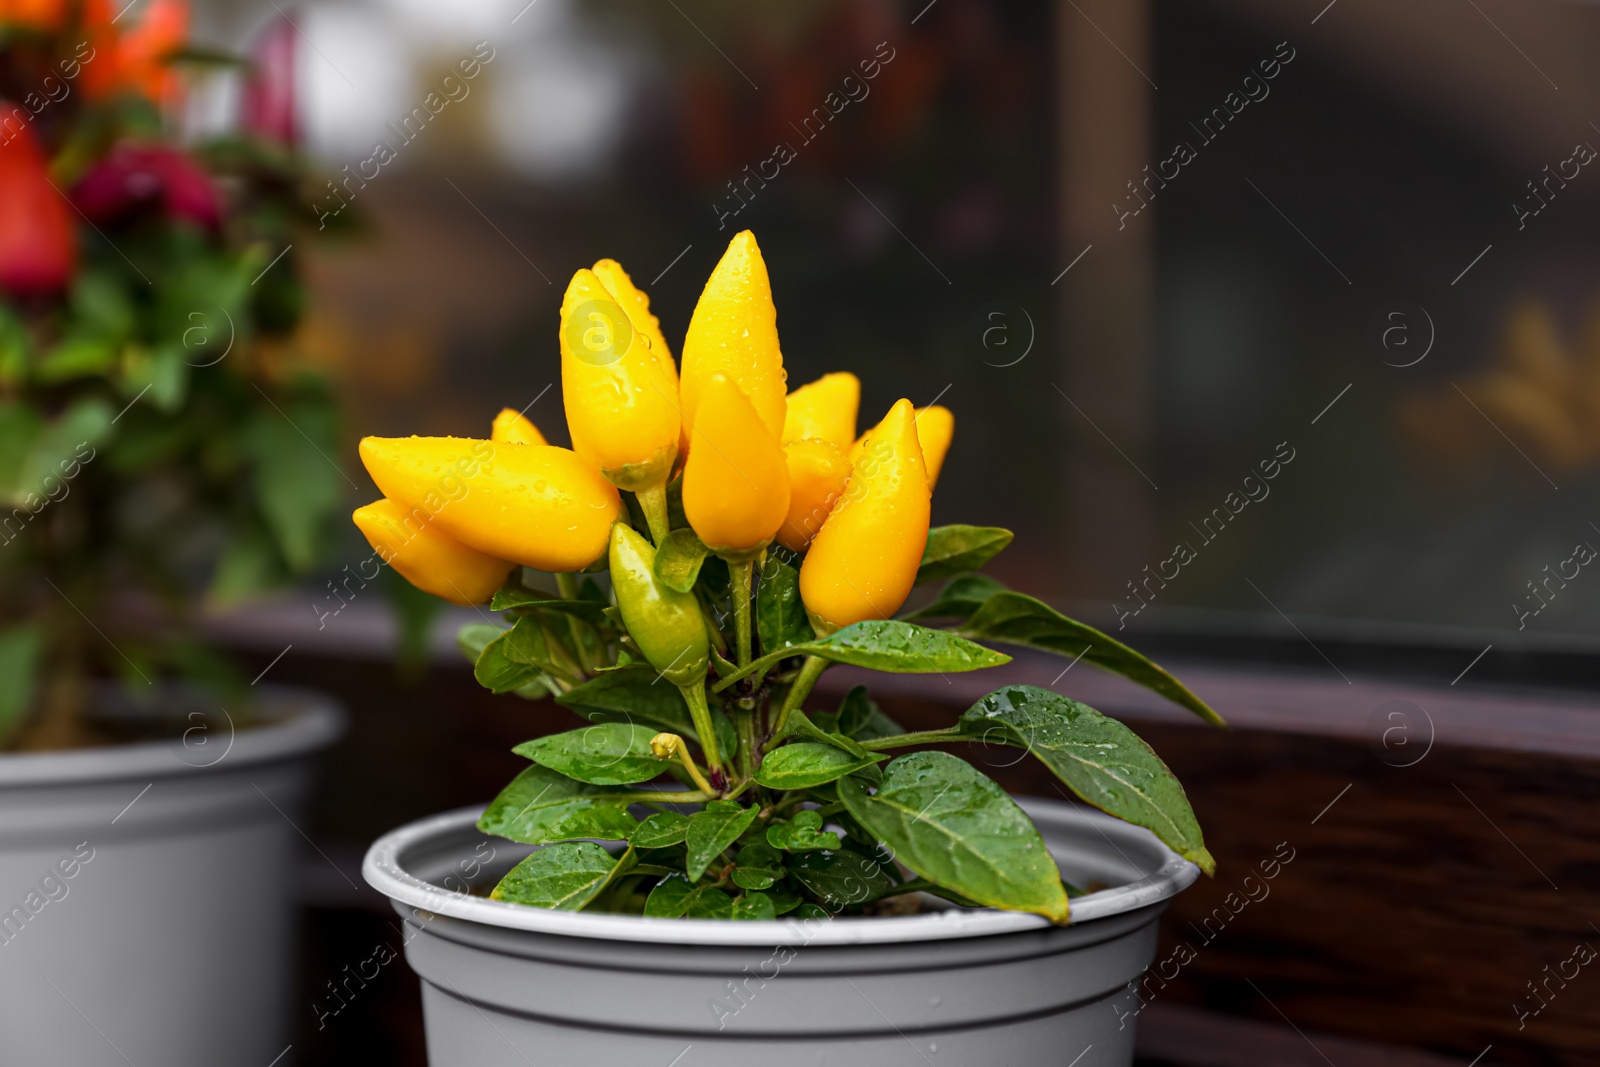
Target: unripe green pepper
[(668, 628), (665, 624)]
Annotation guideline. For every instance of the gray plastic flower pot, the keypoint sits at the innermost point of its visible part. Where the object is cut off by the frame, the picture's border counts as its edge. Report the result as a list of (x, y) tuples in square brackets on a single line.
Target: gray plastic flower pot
[(506, 985), (146, 910)]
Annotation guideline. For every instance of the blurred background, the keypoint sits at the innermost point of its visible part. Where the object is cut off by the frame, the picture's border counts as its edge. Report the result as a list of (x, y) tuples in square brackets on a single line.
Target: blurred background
[(1273, 329)]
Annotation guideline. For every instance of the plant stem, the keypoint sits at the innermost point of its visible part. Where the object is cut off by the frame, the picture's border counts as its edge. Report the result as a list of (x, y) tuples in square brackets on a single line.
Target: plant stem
[(740, 572), (688, 765), (921, 737), (744, 721), (700, 711), (667, 796), (653, 502), (567, 586), (810, 671)]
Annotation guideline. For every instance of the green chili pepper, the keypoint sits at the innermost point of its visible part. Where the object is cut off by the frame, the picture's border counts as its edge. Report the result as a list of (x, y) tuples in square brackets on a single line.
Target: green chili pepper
[(666, 625)]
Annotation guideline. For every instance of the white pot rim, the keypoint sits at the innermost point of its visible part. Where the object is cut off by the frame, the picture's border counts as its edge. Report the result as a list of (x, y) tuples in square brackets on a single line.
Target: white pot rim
[(385, 869), (293, 722)]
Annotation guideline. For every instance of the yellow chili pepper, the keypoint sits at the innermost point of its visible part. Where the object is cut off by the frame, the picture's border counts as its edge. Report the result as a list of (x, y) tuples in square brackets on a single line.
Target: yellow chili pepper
[(537, 505), (734, 331), (636, 305), (824, 409), (864, 561), (736, 482), (515, 429), (935, 426), (818, 471), (621, 407), (432, 561)]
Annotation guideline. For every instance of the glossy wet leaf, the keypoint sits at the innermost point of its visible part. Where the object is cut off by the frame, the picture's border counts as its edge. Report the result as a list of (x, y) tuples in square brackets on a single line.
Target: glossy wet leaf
[(563, 877), (803, 833), (758, 866), (781, 620), (843, 877), (661, 830), (669, 898), (755, 907), (711, 830), (497, 672), (612, 753), (541, 806), (678, 560), (1097, 757), (956, 827), (802, 764), (708, 903), (904, 648), (861, 718), (640, 695), (1017, 619), (960, 597), (514, 596), (957, 549)]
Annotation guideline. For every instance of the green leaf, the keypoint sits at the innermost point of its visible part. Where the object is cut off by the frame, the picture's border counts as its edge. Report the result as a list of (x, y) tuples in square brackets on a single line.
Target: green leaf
[(249, 565), (956, 827), (956, 549), (474, 637), (661, 830), (861, 718), (638, 694), (802, 764), (541, 806), (564, 877), (65, 445), (20, 648), (754, 907), (296, 481), (678, 560), (809, 910), (1018, 619), (842, 878), (904, 648), (758, 866), (803, 833), (1099, 759), (708, 903), (885, 645), (960, 597), (514, 596), (669, 898), (159, 377), (781, 620), (611, 753), (497, 672), (713, 829), (76, 357), (19, 425)]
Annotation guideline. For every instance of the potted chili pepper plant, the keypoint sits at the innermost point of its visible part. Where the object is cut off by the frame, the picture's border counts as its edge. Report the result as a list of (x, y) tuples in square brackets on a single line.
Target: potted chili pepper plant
[(151, 462), (713, 869)]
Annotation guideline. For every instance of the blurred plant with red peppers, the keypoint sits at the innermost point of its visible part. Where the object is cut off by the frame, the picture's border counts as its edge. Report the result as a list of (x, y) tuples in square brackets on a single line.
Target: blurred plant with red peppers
[(161, 448)]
